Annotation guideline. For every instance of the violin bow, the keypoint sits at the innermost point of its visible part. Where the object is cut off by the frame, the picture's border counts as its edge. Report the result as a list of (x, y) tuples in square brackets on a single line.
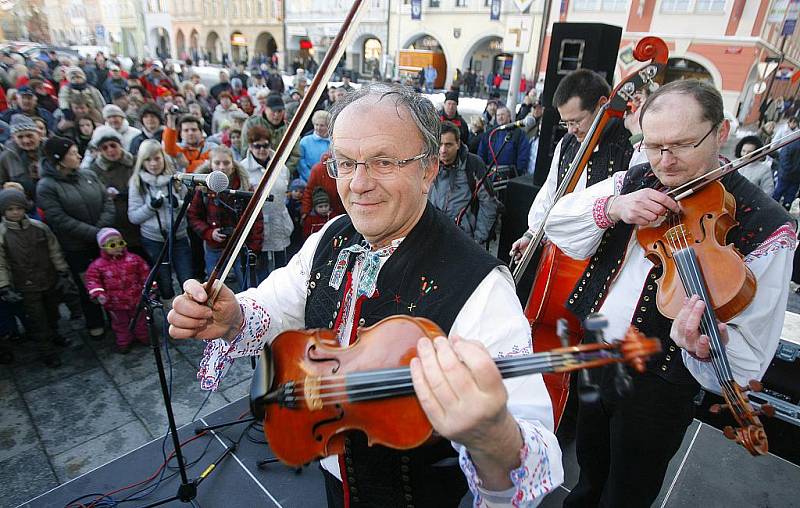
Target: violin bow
[(648, 48), (239, 236), (701, 181)]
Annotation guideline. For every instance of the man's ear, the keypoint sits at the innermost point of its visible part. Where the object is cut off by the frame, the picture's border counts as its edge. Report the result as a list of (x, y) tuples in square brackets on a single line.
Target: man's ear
[(431, 170)]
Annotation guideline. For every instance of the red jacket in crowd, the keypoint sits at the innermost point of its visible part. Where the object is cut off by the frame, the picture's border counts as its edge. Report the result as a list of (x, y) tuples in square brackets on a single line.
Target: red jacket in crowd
[(319, 178), (120, 279)]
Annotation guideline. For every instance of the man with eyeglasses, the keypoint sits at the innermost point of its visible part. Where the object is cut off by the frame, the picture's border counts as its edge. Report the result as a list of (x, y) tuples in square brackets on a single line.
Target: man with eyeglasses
[(625, 442), (578, 98), (394, 253)]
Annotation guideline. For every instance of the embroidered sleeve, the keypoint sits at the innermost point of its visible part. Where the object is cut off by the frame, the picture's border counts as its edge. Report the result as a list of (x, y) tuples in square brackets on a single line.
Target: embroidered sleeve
[(600, 214), (219, 354), (532, 480), (785, 237)]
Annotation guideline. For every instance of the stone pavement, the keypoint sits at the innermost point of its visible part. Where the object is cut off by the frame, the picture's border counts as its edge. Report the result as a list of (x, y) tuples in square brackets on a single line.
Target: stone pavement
[(57, 424)]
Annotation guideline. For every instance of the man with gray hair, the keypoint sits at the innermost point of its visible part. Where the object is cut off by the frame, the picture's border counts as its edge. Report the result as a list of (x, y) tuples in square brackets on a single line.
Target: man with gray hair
[(394, 253), (19, 162)]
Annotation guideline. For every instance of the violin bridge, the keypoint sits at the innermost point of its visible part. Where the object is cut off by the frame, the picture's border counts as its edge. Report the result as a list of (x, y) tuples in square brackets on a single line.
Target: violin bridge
[(311, 393)]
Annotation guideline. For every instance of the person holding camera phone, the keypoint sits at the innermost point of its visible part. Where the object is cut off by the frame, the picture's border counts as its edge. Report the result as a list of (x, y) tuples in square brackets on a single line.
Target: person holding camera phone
[(213, 216)]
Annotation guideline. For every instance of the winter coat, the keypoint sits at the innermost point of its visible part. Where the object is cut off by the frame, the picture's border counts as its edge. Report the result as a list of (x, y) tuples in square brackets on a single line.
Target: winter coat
[(311, 149), (276, 134), (515, 153), (320, 178), (30, 256), (114, 85), (451, 192), (40, 112), (459, 122), (75, 206), (313, 223), (760, 175), (789, 157), (128, 134), (194, 156), (120, 278), (278, 224), (222, 115), (117, 174), (144, 136), (154, 223), (208, 212), (68, 94), (16, 165)]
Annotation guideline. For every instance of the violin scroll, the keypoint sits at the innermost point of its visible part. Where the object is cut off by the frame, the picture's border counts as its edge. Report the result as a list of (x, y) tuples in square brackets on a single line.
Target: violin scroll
[(750, 432)]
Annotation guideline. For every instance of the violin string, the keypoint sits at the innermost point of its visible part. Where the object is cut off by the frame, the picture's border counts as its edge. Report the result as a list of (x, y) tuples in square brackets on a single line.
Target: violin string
[(371, 393), (691, 278), (362, 391)]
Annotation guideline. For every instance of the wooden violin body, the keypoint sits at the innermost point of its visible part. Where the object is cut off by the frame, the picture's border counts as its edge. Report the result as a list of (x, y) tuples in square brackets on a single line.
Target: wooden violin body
[(315, 391), (310, 430), (706, 218)]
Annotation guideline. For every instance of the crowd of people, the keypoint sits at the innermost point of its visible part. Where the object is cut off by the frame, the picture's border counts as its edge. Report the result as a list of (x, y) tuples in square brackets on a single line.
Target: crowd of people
[(94, 146)]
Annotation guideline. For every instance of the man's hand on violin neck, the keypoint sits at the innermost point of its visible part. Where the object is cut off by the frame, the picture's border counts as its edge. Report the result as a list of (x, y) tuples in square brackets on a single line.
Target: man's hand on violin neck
[(190, 317), (686, 329), (463, 395), (642, 207)]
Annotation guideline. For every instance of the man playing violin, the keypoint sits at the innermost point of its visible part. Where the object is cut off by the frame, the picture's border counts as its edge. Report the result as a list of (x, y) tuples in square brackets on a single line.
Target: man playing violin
[(578, 98), (395, 254), (624, 443)]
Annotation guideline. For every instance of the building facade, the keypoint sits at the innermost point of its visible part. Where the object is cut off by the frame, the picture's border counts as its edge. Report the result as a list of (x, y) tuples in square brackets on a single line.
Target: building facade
[(311, 26), (233, 30)]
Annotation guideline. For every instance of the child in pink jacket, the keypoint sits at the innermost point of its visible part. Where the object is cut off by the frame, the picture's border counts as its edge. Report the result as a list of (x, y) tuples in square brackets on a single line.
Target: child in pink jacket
[(115, 280)]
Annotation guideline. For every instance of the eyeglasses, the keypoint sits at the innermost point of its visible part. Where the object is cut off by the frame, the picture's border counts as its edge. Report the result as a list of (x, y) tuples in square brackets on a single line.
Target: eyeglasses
[(260, 146), (379, 168), (566, 124), (677, 151), (114, 244)]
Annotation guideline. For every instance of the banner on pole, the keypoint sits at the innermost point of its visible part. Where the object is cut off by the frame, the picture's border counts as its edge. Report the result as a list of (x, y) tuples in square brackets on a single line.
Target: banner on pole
[(494, 12), (416, 9)]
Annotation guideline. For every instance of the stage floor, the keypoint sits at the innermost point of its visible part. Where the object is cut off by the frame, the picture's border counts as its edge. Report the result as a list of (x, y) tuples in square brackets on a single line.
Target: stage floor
[(708, 471)]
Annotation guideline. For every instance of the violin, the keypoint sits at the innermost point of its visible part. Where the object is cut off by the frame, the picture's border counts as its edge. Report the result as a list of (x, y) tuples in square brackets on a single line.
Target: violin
[(691, 248), (313, 392)]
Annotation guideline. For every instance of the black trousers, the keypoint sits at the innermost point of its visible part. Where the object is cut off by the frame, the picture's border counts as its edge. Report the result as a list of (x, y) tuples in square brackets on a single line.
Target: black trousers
[(78, 262), (625, 444), (41, 318)]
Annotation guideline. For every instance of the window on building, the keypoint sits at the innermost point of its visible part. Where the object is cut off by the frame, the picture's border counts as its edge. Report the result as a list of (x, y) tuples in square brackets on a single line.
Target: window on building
[(675, 6), (261, 8), (616, 5), (461, 3), (586, 5), (710, 6), (433, 3), (487, 3)]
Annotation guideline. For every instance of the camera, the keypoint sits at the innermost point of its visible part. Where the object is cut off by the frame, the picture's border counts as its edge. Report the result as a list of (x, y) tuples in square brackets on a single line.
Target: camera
[(174, 110)]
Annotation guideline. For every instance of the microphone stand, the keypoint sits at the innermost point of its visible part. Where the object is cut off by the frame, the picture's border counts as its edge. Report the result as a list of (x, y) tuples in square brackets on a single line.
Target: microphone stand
[(187, 490)]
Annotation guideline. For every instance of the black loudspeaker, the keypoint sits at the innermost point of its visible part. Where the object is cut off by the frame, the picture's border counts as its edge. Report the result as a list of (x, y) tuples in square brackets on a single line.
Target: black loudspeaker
[(573, 46)]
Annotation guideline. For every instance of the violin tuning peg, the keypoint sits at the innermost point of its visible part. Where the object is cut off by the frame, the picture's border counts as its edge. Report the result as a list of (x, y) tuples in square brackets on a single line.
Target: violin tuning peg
[(755, 386), (767, 410), (730, 433)]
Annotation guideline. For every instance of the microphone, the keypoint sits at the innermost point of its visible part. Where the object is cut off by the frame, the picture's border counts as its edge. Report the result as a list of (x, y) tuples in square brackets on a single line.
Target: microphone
[(526, 123), (216, 181)]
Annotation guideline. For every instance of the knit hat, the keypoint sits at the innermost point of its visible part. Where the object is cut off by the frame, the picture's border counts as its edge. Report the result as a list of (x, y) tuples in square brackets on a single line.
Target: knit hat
[(451, 96), (104, 133), (10, 197), (75, 71), (106, 234), (56, 148), (110, 110), (320, 197), (21, 123), (148, 108), (297, 184)]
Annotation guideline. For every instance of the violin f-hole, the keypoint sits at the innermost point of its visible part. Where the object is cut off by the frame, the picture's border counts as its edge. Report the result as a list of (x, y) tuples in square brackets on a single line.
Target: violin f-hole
[(318, 436), (312, 349)]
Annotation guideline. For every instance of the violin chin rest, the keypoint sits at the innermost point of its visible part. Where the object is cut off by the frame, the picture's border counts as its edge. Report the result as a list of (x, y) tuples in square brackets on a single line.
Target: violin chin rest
[(261, 382)]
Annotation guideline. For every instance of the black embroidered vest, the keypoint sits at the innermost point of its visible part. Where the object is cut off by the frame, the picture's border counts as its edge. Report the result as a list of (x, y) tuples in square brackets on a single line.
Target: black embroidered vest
[(431, 274), (613, 153), (758, 216)]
